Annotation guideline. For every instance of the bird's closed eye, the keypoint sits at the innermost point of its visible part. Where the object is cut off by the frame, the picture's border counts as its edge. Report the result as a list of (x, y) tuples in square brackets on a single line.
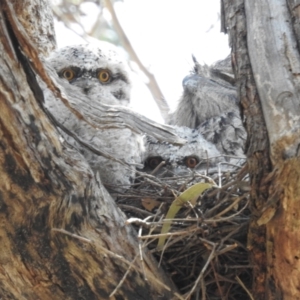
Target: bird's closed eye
[(68, 74), (191, 161), (104, 76), (153, 162)]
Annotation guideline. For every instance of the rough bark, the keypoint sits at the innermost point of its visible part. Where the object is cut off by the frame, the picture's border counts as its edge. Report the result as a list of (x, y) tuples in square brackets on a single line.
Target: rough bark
[(265, 55), (62, 236)]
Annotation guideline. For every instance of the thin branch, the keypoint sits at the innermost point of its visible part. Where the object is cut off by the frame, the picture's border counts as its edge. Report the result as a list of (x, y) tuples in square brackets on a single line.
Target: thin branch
[(244, 287), (152, 84), (211, 256)]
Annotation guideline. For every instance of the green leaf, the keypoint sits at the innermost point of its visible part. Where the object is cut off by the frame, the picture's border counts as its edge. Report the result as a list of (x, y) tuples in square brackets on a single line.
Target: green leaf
[(191, 195)]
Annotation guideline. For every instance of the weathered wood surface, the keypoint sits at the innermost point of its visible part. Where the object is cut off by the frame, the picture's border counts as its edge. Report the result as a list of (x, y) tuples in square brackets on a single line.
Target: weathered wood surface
[(62, 236), (265, 56), (275, 63)]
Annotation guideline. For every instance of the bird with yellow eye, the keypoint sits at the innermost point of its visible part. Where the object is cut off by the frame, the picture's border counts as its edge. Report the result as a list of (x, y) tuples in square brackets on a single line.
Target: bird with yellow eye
[(97, 74), (68, 74), (100, 73), (104, 76), (71, 74)]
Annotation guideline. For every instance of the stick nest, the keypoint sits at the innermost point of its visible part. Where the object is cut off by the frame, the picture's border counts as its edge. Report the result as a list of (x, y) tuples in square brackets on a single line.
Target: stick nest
[(205, 251)]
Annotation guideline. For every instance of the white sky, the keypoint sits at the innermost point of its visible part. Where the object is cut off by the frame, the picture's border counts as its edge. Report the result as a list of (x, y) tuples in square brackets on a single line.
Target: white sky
[(164, 33)]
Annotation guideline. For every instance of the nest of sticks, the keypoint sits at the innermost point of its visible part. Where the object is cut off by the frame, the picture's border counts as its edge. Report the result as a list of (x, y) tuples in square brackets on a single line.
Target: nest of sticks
[(204, 250)]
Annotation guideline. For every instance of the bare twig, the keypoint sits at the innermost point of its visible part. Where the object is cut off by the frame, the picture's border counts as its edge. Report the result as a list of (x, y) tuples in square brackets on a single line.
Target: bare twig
[(152, 84), (218, 221), (201, 273), (244, 287)]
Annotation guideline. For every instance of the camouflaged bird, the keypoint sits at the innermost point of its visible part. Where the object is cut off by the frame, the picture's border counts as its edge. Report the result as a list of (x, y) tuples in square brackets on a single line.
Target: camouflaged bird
[(209, 104)]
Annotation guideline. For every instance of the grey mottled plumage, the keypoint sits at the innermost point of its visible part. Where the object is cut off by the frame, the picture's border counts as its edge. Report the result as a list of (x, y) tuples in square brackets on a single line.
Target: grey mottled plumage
[(99, 72), (122, 148), (209, 104), (196, 154)]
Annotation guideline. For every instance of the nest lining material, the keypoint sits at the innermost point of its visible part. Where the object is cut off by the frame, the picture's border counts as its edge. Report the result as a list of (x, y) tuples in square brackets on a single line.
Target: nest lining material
[(205, 252)]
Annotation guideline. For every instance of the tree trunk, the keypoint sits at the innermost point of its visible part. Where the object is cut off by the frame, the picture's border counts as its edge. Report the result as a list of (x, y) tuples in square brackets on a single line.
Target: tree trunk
[(62, 236), (264, 38)]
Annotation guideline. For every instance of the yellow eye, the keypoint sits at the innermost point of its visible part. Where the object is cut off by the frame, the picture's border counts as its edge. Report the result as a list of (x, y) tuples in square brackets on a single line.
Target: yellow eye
[(104, 76), (69, 74), (191, 161), (153, 162)]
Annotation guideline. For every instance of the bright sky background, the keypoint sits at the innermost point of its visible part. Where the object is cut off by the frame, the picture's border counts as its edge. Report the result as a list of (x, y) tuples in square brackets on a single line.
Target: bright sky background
[(164, 33)]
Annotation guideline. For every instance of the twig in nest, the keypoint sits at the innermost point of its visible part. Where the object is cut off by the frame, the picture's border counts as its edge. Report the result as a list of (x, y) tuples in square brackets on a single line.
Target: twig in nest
[(244, 287), (227, 218), (217, 280), (138, 210), (226, 249), (139, 222), (228, 208), (169, 234), (217, 222), (203, 288), (141, 248), (158, 167), (212, 253)]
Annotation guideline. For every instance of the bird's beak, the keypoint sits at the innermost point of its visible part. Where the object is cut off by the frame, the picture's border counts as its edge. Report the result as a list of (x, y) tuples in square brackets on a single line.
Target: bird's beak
[(84, 83)]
